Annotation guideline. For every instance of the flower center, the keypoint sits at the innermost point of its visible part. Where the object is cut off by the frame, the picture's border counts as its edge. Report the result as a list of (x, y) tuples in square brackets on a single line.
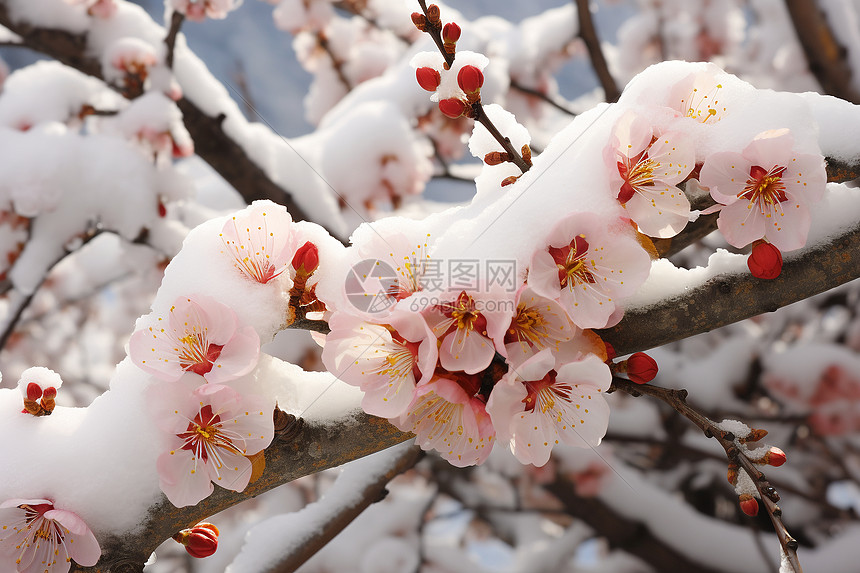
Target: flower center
[(637, 172), (572, 265), (528, 326), (205, 434), (765, 188), (464, 314), (542, 394), (196, 354)]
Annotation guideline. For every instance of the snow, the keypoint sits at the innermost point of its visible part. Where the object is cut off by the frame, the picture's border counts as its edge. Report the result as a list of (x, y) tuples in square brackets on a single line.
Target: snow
[(270, 540)]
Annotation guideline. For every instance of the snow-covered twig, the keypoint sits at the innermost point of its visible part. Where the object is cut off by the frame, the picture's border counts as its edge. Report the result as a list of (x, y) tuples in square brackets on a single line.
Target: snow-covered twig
[(541, 96), (677, 399), (176, 20), (477, 110), (589, 35), (827, 59)]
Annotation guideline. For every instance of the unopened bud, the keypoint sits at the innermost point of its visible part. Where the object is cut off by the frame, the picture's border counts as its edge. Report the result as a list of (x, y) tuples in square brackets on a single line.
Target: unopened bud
[(527, 153), (34, 391), (433, 14), (31, 407), (420, 20), (199, 541), (732, 474), (610, 351), (450, 33), (428, 78), (452, 107), (307, 258), (765, 261), (755, 435), (47, 405), (509, 180), (496, 157), (749, 504), (641, 368), (49, 393), (774, 457), (470, 79)]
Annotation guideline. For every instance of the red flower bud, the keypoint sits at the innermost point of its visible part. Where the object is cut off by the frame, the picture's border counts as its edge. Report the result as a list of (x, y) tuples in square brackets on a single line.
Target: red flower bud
[(34, 392), (452, 107), (470, 79), (450, 33), (428, 78), (748, 504), (774, 457), (307, 258), (610, 351), (641, 368), (420, 20), (49, 393), (162, 210), (200, 541), (765, 261)]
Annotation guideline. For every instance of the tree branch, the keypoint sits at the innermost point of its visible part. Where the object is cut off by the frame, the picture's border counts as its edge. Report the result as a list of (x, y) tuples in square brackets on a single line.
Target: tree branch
[(827, 59), (589, 35), (677, 399), (212, 144), (305, 449), (176, 20)]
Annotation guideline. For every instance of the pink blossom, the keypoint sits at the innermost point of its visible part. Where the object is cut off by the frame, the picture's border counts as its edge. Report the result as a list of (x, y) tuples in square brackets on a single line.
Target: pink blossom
[(645, 169), (766, 190), (202, 336), (542, 323), (199, 10), (35, 536), (461, 322), (534, 407), (697, 96), (132, 56), (589, 265), (385, 361), (446, 417), (213, 428), (387, 270), (261, 241)]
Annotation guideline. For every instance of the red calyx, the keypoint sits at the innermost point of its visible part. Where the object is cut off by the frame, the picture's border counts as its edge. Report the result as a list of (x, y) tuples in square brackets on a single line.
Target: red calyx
[(200, 541), (450, 33), (470, 79), (748, 504), (428, 78), (641, 368), (765, 261), (307, 258), (452, 107), (34, 392)]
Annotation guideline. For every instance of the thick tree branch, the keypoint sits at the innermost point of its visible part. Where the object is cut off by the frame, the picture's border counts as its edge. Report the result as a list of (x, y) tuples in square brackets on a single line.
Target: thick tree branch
[(728, 298), (309, 448), (212, 144), (827, 59), (588, 33)]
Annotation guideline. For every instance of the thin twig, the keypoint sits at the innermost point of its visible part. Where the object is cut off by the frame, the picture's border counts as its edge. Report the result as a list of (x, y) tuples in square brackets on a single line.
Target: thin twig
[(541, 96), (589, 35), (477, 110), (176, 20), (336, 63), (677, 399)]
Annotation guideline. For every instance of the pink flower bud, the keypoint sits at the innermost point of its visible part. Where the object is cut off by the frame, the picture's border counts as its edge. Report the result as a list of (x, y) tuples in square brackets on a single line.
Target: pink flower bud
[(34, 392), (452, 107), (307, 258), (641, 368), (200, 541), (428, 78), (49, 393), (450, 33), (470, 79), (775, 457), (748, 504), (765, 261)]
